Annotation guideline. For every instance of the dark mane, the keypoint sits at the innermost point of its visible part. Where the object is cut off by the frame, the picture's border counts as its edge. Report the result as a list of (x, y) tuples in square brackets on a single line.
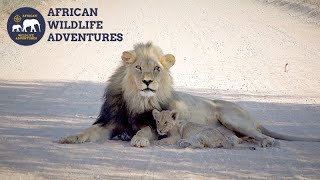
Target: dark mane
[(115, 111)]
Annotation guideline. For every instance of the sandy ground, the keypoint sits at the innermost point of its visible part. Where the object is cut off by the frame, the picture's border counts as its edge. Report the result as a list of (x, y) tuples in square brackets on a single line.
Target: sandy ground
[(225, 49)]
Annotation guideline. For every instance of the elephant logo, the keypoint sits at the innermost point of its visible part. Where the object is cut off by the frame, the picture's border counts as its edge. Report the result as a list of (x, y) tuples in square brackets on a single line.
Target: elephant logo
[(16, 28), (26, 26), (30, 23)]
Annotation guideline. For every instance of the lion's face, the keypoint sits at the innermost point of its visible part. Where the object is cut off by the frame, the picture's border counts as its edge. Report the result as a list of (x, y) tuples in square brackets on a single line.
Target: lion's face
[(147, 69), (147, 75), (165, 120)]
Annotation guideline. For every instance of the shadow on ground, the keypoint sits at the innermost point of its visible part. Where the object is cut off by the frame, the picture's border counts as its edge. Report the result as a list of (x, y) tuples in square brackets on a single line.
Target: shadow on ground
[(34, 114)]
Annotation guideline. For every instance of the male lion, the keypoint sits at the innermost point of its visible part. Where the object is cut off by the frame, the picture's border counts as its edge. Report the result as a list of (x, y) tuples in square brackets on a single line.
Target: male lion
[(143, 83)]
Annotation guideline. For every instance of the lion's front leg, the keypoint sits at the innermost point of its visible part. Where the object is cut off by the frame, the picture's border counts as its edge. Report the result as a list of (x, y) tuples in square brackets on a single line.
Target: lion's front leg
[(143, 137), (93, 133)]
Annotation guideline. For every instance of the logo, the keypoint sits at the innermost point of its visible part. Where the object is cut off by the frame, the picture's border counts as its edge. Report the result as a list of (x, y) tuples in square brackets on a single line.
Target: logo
[(26, 26)]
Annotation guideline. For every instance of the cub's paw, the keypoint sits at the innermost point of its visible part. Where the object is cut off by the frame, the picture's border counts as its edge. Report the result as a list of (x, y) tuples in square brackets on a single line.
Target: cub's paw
[(269, 142), (157, 143), (73, 139), (183, 143), (139, 141), (162, 142)]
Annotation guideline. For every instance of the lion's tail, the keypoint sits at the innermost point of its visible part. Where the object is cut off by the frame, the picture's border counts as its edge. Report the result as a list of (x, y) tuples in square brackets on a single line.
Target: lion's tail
[(276, 135)]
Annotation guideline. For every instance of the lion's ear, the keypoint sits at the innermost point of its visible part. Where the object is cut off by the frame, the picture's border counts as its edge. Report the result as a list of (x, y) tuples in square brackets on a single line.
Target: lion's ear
[(156, 113), (174, 114), (167, 61), (128, 57)]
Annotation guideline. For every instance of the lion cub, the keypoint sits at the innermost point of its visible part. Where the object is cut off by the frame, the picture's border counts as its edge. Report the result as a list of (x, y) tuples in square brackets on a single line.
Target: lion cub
[(188, 134)]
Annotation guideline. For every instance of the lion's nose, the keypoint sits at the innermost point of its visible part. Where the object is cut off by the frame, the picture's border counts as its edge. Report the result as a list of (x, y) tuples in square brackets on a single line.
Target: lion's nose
[(147, 82)]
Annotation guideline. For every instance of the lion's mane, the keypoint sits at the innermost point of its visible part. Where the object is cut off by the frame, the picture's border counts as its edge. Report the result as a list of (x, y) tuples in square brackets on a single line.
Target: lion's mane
[(124, 108)]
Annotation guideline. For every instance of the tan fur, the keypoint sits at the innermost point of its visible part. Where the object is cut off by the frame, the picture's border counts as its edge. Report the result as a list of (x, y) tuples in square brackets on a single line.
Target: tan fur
[(132, 84), (213, 113), (92, 133), (146, 62), (185, 134), (147, 57), (141, 65), (143, 137)]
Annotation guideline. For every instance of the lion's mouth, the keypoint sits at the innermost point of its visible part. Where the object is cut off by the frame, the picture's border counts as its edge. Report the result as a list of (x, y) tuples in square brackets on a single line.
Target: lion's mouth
[(161, 133), (148, 89), (147, 92)]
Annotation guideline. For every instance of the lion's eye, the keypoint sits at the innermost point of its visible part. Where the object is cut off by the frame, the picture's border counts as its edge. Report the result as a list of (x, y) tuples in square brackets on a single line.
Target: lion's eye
[(138, 67), (157, 68)]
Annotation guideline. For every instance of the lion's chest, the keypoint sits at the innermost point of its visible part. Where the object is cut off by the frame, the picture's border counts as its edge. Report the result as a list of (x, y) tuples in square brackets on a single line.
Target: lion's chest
[(144, 105)]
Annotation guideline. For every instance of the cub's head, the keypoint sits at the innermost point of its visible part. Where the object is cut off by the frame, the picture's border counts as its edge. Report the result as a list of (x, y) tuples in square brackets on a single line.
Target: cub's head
[(165, 120), (147, 70)]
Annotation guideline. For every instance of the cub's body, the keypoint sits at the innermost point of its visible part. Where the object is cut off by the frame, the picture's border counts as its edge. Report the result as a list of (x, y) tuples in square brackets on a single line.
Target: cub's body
[(190, 134)]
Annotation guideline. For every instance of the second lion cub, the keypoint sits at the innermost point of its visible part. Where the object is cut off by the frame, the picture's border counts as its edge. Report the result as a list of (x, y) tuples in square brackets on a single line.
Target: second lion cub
[(185, 134)]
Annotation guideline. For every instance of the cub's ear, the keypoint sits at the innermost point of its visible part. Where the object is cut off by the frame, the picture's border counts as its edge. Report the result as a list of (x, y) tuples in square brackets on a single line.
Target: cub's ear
[(128, 57), (174, 114), (156, 113), (167, 61)]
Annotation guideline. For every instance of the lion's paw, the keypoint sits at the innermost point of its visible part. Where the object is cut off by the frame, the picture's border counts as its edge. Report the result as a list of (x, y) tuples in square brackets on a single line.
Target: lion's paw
[(157, 143), (183, 143), (139, 141), (73, 139), (161, 143)]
